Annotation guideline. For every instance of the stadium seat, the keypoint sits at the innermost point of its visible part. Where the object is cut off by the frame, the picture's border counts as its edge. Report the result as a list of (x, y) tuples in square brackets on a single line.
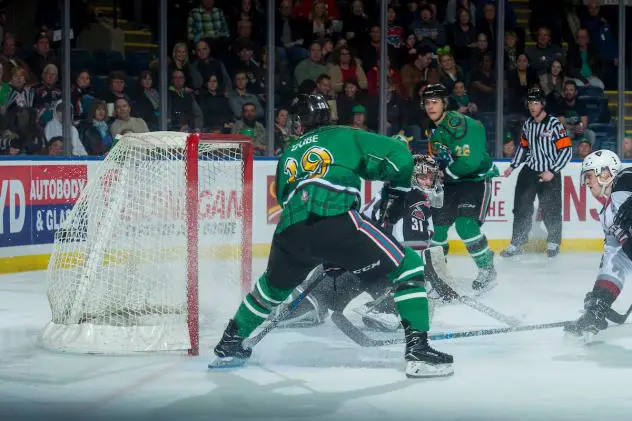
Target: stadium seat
[(590, 91), (137, 61), (596, 108), (80, 59), (99, 83)]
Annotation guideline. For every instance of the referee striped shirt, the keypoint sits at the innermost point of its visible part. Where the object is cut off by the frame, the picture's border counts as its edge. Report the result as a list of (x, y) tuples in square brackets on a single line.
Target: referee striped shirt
[(544, 146)]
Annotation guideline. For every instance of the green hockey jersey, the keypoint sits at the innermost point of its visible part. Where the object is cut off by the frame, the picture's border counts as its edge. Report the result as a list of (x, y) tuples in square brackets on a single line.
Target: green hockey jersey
[(321, 172), (466, 141)]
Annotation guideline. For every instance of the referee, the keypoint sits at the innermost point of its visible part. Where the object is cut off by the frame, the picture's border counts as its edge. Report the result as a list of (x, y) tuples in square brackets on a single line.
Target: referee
[(545, 149)]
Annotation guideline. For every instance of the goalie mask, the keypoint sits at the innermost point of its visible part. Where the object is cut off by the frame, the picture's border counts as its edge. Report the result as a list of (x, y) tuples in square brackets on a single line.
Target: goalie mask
[(595, 164), (425, 173)]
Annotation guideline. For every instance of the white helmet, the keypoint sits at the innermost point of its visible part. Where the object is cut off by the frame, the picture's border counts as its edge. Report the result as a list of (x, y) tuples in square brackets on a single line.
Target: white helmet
[(599, 161)]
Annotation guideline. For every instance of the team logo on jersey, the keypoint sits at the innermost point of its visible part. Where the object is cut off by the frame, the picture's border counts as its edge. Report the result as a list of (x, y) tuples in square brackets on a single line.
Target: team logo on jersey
[(418, 210)]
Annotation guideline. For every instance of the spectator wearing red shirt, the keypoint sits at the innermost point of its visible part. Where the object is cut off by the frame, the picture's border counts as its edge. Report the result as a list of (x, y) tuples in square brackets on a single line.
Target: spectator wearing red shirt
[(305, 8), (373, 78), (345, 67)]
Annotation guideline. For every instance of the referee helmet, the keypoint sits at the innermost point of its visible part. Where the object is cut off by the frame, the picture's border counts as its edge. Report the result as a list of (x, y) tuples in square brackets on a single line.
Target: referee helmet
[(536, 94)]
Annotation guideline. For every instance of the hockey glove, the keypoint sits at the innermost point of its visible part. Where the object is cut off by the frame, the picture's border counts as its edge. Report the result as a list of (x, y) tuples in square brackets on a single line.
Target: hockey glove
[(442, 155), (391, 205), (623, 237), (623, 218)]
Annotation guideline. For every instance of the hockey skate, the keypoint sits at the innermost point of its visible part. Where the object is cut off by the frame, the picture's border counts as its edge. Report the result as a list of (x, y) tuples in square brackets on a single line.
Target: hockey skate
[(422, 361), (594, 318), (552, 249), (229, 352), (380, 314), (485, 280), (511, 251)]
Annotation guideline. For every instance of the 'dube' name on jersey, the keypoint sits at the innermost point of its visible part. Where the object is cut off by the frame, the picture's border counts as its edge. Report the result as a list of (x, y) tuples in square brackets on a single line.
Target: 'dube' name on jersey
[(305, 141)]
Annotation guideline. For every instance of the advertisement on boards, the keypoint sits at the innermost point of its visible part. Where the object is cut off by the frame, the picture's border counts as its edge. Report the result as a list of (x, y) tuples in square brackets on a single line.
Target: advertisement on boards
[(36, 199)]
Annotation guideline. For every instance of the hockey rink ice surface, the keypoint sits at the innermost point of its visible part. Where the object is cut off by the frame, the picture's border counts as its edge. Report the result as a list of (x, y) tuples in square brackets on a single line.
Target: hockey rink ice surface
[(319, 374)]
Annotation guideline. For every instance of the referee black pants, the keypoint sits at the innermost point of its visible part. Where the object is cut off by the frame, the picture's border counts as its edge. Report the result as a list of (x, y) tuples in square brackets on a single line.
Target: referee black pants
[(550, 199)]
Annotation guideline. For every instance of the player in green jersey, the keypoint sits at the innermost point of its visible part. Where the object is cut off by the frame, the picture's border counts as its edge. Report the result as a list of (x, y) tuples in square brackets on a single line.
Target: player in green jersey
[(459, 143), (318, 181)]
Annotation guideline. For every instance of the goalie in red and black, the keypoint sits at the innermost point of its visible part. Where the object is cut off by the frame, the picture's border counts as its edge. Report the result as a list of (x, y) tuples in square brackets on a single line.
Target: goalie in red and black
[(408, 218)]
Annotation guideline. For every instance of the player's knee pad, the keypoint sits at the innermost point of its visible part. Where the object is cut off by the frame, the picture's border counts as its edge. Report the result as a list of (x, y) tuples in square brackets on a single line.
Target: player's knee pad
[(268, 296)]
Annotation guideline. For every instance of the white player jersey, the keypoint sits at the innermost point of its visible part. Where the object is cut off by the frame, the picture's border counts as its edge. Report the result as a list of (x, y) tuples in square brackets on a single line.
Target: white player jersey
[(615, 264)]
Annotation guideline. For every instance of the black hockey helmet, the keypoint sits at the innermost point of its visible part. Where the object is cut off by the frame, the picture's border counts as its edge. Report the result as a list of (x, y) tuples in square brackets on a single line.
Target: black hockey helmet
[(435, 91), (536, 94), (310, 110)]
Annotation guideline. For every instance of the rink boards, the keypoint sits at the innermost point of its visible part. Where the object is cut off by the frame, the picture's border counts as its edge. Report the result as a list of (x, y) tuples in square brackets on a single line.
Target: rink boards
[(37, 195)]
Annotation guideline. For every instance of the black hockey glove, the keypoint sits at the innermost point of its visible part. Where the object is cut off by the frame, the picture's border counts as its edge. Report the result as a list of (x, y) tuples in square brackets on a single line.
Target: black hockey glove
[(391, 205), (623, 218)]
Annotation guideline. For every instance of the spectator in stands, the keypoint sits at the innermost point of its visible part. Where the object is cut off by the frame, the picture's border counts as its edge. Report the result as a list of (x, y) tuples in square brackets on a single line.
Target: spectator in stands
[(11, 58), (246, 11), (323, 87), (180, 61), (428, 31), (23, 131), (487, 24), (571, 111), (417, 71), (345, 67), (394, 106), (5, 90), (247, 121), (547, 13), (552, 83), (283, 87), (290, 35), (347, 99), (182, 106), (370, 52), (311, 67), (483, 84), (241, 96), (47, 94), (449, 72), (454, 8), (55, 147), (356, 26), (603, 37), (282, 131), (146, 100), (509, 146), (213, 101), (394, 31), (358, 119), (584, 64), (304, 8), (512, 50), (584, 148), (208, 22), (482, 48), (115, 91), (462, 100), (461, 37), (21, 96), (544, 52), (519, 81), (94, 132), (54, 128), (327, 46), (407, 52), (319, 25), (244, 62), (205, 65), (41, 55), (124, 120), (373, 78), (82, 95), (627, 146), (244, 36)]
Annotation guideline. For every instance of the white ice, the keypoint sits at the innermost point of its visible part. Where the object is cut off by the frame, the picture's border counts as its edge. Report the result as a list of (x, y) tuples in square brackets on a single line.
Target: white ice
[(319, 374)]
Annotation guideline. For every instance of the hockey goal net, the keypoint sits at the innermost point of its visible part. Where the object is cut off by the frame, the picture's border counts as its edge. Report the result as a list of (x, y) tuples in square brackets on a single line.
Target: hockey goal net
[(163, 214)]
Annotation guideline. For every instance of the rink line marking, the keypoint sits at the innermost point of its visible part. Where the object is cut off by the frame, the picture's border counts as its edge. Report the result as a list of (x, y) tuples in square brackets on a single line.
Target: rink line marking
[(15, 264)]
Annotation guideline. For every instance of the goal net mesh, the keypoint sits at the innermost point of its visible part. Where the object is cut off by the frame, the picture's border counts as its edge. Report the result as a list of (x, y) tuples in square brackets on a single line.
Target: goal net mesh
[(117, 278)]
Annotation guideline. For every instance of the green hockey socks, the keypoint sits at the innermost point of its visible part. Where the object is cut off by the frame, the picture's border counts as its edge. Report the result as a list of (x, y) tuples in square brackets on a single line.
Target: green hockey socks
[(440, 238), (258, 304), (476, 243), (410, 292)]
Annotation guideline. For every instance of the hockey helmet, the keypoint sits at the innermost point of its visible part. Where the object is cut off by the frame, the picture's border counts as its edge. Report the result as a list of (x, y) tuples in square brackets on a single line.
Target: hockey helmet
[(599, 161), (536, 94), (434, 91), (425, 172), (310, 111)]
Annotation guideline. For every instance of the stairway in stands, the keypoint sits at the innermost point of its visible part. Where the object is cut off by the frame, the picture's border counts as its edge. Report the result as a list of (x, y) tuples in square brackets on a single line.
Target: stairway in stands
[(136, 37)]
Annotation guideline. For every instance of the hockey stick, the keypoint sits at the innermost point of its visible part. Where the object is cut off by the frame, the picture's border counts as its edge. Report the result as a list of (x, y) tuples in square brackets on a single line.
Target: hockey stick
[(618, 318), (359, 337), (284, 312)]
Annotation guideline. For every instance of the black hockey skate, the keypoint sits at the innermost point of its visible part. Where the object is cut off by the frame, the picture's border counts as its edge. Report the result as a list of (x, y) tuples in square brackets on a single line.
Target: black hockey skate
[(421, 359), (596, 304), (552, 249), (485, 280), (229, 351)]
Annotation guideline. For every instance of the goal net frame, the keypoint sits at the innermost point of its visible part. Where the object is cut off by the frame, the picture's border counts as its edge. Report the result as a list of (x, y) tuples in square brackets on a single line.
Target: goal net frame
[(81, 288)]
